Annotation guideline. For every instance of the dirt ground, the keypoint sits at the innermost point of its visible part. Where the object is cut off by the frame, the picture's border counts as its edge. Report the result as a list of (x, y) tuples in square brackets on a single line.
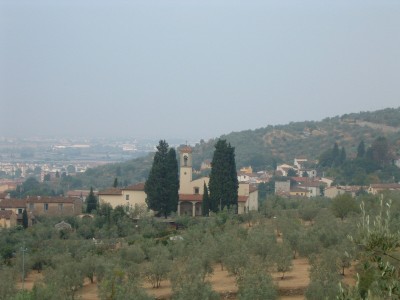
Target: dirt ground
[(292, 287)]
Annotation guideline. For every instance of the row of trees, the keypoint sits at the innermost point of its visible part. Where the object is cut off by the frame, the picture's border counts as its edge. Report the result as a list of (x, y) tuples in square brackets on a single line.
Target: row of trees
[(127, 254), (371, 165)]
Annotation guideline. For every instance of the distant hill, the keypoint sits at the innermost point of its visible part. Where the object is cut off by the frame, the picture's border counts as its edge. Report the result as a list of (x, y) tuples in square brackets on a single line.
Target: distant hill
[(263, 147)]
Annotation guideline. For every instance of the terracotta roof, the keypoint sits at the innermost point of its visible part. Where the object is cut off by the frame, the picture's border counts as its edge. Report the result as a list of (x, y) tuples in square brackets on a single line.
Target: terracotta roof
[(301, 179), (186, 149), (13, 203), (5, 214), (79, 193), (135, 187), (312, 184), (51, 200), (385, 186), (242, 198), (111, 191)]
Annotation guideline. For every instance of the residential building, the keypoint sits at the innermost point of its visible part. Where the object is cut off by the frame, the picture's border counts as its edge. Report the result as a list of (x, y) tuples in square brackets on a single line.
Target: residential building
[(7, 219), (128, 196), (299, 192), (54, 206), (282, 187), (380, 187)]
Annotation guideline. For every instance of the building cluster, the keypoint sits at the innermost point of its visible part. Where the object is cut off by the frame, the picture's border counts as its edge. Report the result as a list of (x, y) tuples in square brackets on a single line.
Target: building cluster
[(11, 210), (306, 183), (301, 181), (190, 191), (24, 170)]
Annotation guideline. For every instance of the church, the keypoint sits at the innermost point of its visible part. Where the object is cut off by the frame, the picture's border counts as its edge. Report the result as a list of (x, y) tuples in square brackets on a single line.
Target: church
[(191, 191)]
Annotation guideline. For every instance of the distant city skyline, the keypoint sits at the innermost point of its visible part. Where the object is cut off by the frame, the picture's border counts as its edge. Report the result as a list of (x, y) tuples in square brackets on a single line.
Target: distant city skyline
[(191, 69)]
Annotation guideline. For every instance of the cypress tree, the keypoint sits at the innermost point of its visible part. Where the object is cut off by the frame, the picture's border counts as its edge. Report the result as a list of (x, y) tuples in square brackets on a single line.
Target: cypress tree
[(205, 204), (361, 150), (223, 177), (335, 155), (115, 182), (172, 182), (342, 155), (25, 222), (162, 185), (91, 201)]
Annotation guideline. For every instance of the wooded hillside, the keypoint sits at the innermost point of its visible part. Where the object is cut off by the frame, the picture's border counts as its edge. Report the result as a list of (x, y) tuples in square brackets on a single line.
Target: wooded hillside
[(262, 148)]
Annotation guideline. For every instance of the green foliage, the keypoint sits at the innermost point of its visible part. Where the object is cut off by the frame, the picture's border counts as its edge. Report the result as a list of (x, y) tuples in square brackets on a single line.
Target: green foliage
[(283, 258), (324, 276), (162, 184), (7, 283), (91, 201), (223, 178), (256, 284), (343, 205), (25, 221), (116, 285), (158, 267), (371, 166), (205, 204)]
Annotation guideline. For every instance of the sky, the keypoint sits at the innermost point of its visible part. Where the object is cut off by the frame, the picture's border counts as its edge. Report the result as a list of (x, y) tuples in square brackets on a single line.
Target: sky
[(191, 69)]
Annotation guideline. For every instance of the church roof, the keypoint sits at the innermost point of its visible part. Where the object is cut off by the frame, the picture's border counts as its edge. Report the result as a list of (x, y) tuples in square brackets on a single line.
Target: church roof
[(186, 149)]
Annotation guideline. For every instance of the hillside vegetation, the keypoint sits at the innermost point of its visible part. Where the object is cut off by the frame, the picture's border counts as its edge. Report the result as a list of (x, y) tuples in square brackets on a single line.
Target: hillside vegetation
[(264, 147)]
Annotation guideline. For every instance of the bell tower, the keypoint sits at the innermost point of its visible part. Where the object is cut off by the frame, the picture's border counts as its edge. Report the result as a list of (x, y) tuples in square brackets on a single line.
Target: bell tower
[(185, 175)]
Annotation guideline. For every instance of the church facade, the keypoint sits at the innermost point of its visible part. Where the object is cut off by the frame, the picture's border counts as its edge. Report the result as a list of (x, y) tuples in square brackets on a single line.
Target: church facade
[(191, 191)]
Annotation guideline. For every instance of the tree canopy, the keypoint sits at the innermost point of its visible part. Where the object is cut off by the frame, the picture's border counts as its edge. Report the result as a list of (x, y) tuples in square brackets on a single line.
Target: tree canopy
[(223, 184), (162, 185), (91, 201)]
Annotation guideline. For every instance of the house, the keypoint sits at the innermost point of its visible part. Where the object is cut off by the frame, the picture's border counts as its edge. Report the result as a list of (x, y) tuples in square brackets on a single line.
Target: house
[(205, 165), (299, 192), (54, 206), (284, 169), (313, 187), (16, 206), (375, 189), (191, 191), (333, 191), (299, 162), (247, 170), (282, 187), (328, 181), (247, 177), (128, 196), (82, 194), (7, 219)]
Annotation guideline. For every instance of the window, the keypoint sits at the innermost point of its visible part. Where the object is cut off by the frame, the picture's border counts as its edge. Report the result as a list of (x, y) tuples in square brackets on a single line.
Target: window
[(196, 190), (60, 206), (20, 210), (31, 206), (185, 160), (46, 207), (126, 197)]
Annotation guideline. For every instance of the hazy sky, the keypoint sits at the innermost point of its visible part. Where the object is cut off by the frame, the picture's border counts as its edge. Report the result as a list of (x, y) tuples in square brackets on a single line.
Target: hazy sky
[(192, 69)]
